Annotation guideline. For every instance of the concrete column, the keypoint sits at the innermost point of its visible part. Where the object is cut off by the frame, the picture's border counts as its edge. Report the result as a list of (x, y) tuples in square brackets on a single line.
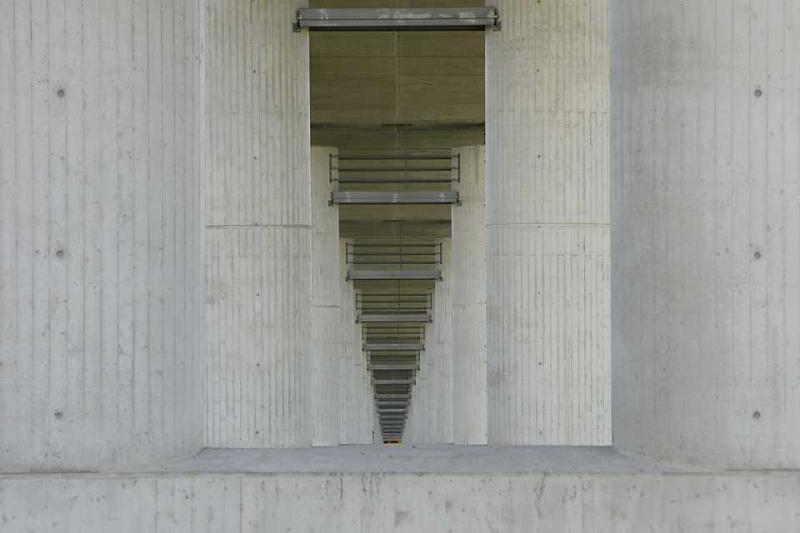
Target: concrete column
[(326, 331), (358, 416), (547, 215), (258, 235), (469, 299), (100, 157), (706, 231), (430, 417)]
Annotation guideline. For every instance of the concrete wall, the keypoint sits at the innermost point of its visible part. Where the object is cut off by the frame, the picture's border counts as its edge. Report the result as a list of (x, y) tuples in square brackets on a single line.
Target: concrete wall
[(469, 299), (703, 503), (257, 226), (547, 215), (100, 158), (706, 233)]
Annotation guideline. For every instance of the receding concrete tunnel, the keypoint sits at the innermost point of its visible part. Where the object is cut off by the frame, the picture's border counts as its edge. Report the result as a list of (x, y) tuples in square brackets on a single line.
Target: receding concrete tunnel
[(247, 247), (395, 108)]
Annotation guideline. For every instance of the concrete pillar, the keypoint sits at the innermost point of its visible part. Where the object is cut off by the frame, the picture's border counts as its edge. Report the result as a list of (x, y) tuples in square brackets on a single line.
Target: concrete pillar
[(430, 417), (100, 157), (469, 299), (358, 415), (257, 217), (547, 215), (326, 345), (706, 231)]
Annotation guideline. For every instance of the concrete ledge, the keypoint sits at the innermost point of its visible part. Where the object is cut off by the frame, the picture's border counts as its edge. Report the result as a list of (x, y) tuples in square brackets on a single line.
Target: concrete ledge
[(419, 490), (422, 460)]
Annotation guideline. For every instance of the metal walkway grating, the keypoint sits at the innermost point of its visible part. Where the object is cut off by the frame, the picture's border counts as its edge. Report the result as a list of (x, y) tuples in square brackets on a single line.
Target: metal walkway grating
[(394, 179)]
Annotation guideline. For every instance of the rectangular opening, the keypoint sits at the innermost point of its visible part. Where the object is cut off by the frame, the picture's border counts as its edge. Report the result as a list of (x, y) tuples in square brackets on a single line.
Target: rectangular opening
[(393, 92)]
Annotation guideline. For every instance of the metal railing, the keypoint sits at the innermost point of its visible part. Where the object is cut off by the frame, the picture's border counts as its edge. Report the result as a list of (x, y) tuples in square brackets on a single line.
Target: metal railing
[(398, 303), (373, 254), (394, 169), (391, 275), (362, 179), (394, 302), (393, 317)]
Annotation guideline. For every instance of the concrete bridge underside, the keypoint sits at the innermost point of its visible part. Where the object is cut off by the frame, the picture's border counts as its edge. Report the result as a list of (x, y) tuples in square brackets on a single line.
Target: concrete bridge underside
[(180, 345)]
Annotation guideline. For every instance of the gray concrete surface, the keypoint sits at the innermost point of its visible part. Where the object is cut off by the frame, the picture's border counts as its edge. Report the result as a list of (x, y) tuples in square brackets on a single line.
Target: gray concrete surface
[(100, 288), (547, 220), (437, 459), (368, 489), (430, 418), (325, 356), (706, 254), (101, 129), (470, 402), (257, 217)]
